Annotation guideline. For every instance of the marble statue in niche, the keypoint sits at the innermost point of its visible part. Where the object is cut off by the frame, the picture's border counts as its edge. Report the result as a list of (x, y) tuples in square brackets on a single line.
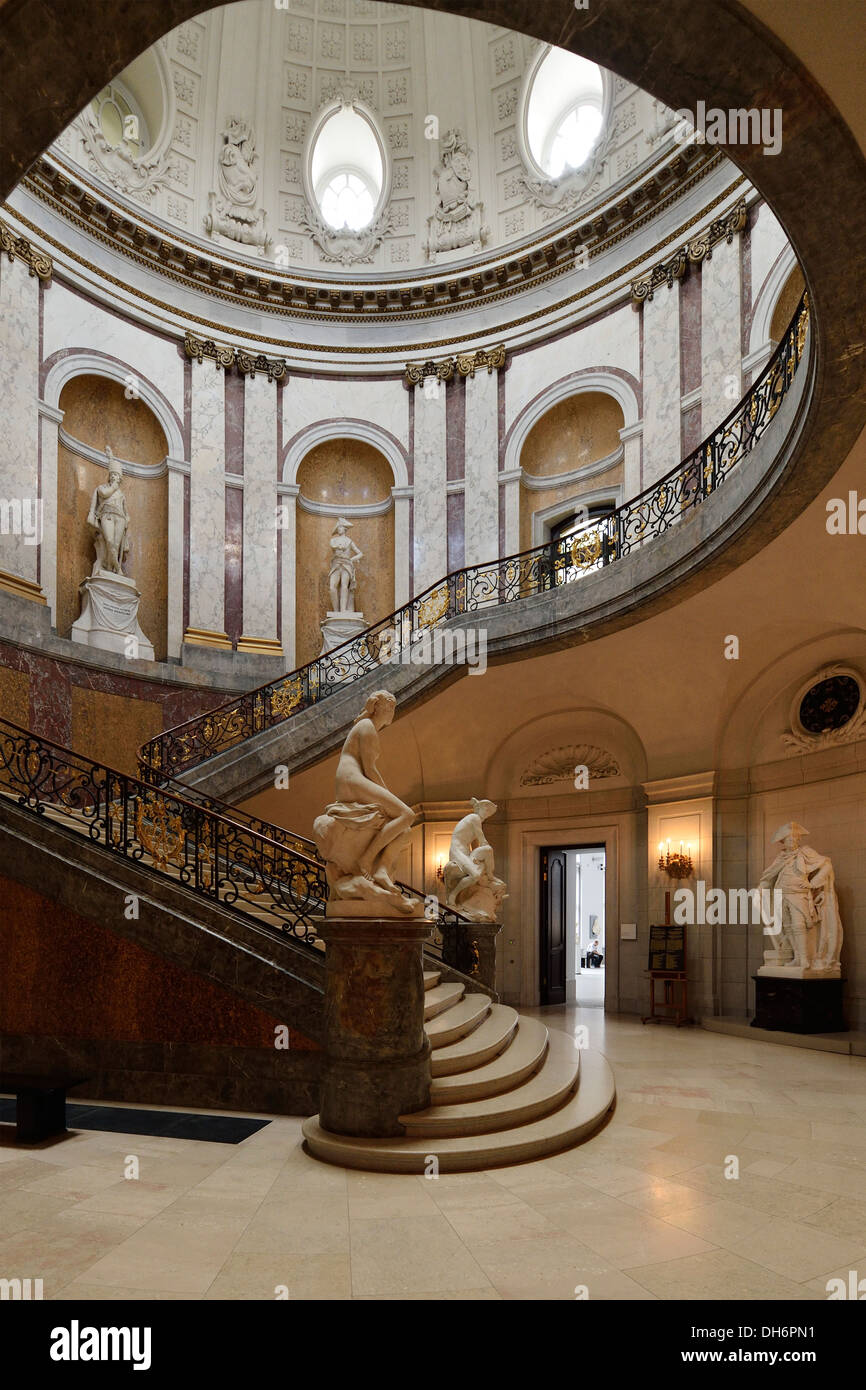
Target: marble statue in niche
[(809, 934), (455, 223), (343, 620), (362, 833), (341, 577), (109, 598), (471, 886), (232, 211), (108, 520)]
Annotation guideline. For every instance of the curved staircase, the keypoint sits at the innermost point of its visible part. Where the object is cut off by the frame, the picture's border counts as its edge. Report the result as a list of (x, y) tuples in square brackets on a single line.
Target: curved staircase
[(504, 1090)]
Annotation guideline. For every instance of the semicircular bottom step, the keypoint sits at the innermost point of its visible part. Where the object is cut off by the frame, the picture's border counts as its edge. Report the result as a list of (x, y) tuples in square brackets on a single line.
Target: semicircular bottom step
[(575, 1120)]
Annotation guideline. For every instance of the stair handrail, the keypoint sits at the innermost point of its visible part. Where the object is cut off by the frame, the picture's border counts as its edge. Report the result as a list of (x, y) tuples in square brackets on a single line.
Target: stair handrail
[(598, 543)]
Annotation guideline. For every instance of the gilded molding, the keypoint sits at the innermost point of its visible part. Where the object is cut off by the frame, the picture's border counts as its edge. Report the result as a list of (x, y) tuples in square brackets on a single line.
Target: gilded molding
[(549, 255), (361, 350), (22, 588), (19, 248), (247, 364), (700, 248), (465, 364)]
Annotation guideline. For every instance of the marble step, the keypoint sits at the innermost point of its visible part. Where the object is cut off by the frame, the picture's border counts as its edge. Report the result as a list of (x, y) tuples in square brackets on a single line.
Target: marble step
[(484, 1043), (574, 1121), (459, 1020), (541, 1093), (519, 1060), (440, 998), (431, 978)]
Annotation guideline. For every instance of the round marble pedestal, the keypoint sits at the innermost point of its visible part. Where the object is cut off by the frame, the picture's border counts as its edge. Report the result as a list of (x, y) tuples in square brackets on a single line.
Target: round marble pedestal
[(377, 1054)]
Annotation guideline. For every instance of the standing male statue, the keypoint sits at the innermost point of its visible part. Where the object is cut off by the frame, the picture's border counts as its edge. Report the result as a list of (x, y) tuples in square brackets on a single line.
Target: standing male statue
[(108, 520), (811, 930)]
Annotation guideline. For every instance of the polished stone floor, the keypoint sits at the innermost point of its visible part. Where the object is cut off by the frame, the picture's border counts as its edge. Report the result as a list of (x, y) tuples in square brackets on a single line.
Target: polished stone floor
[(644, 1210)]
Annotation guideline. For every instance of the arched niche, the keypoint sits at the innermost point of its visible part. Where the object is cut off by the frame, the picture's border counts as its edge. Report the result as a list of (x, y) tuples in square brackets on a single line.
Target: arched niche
[(351, 478), (97, 412), (571, 455), (787, 301)]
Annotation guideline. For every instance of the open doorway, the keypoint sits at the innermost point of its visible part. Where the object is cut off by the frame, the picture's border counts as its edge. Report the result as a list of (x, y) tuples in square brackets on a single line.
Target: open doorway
[(573, 947)]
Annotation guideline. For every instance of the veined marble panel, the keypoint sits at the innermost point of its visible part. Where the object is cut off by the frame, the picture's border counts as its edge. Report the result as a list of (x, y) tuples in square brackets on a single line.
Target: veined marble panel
[(311, 399), (207, 500), (721, 349), (431, 519), (767, 240), (70, 321), (661, 383), (20, 521), (260, 534), (481, 492), (611, 341)]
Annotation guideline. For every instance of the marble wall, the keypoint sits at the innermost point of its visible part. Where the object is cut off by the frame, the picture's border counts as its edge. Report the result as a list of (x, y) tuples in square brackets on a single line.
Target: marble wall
[(721, 334), (661, 383), (95, 413), (20, 528), (207, 510)]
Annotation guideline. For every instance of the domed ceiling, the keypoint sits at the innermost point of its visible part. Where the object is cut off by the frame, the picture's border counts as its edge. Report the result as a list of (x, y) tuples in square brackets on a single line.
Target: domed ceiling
[(236, 131)]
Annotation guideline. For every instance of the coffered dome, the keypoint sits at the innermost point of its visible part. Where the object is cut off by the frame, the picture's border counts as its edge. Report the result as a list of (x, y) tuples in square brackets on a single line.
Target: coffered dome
[(376, 137)]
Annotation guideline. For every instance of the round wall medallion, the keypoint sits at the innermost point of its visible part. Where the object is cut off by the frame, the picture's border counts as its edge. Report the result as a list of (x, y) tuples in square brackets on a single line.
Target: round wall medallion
[(829, 704)]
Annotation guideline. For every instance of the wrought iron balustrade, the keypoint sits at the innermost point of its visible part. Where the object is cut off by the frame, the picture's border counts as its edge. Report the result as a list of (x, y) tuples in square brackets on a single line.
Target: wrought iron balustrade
[(212, 854), (417, 624)]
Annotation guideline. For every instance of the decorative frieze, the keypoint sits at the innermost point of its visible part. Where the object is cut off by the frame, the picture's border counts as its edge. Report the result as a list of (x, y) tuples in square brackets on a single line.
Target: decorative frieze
[(700, 248), (246, 363), (465, 364), (20, 249)]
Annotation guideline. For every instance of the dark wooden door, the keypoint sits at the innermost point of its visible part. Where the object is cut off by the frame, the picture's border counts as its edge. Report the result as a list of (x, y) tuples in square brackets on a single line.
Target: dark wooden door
[(553, 926)]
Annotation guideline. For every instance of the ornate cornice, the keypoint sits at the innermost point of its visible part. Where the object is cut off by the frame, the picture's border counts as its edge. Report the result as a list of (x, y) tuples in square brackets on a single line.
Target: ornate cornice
[(20, 249), (465, 364), (227, 357), (498, 276), (363, 349), (700, 248)]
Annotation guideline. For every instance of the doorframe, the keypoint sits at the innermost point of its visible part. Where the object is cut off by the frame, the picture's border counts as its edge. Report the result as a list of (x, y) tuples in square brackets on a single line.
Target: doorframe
[(533, 842)]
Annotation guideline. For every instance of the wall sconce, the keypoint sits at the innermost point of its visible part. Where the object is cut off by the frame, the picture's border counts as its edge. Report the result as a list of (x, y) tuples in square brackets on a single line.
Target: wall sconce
[(440, 867), (675, 865)]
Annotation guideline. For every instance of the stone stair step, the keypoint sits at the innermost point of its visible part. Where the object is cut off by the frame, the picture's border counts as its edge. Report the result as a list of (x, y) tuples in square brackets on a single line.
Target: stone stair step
[(514, 1065), (440, 998), (541, 1093), (484, 1043), (582, 1113), (431, 978), (459, 1020)]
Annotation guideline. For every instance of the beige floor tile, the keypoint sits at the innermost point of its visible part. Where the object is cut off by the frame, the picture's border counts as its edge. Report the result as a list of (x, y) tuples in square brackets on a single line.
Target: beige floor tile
[(75, 1184), (843, 1216), (132, 1198), (80, 1289), (257, 1276), (518, 1221), (720, 1222), (718, 1275), (177, 1256), (452, 1191), (304, 1226), (391, 1258), (19, 1210), (799, 1251), (373, 1195), (664, 1199), (773, 1196)]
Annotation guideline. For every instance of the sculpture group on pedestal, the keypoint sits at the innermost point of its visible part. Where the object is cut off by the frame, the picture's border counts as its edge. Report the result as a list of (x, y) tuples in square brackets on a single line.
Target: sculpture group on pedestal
[(455, 222), (471, 886), (109, 598), (809, 939), (343, 619), (363, 831)]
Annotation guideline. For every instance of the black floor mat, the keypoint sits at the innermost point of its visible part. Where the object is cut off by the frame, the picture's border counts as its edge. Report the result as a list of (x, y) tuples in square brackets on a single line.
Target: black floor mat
[(213, 1129)]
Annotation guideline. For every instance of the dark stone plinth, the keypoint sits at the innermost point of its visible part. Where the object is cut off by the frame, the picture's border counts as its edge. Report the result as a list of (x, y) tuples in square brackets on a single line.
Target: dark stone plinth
[(377, 1054), (470, 947), (798, 1006)]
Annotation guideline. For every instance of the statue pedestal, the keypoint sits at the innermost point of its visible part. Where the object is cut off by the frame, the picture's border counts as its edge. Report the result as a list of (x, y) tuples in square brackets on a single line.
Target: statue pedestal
[(377, 1054), (109, 617), (339, 627), (471, 949), (792, 1004)]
